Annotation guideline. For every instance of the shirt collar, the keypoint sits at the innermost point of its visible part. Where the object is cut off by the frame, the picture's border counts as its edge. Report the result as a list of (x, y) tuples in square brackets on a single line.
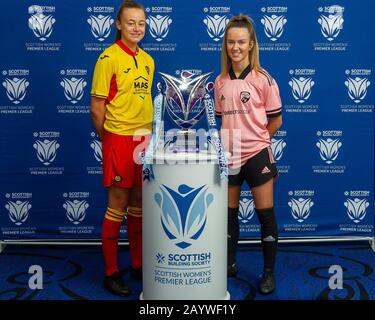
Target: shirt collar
[(124, 47), (243, 74)]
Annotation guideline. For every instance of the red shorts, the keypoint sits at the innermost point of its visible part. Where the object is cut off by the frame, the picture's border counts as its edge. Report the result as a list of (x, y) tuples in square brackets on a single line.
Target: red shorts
[(122, 165)]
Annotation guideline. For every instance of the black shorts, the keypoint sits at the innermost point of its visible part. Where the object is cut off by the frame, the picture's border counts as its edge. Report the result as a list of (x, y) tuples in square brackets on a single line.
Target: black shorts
[(256, 171)]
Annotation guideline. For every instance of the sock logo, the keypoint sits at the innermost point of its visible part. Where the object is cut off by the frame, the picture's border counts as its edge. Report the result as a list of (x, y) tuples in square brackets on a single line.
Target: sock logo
[(269, 239)]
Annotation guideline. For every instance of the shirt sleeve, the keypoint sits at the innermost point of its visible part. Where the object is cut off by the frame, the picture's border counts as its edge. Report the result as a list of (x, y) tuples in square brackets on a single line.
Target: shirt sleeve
[(103, 74), (218, 108), (272, 99)]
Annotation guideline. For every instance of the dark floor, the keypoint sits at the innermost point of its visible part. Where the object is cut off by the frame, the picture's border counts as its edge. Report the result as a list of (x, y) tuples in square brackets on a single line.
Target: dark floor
[(75, 272)]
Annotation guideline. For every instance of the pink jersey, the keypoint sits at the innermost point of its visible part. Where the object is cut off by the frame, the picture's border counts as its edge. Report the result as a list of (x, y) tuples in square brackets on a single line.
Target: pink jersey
[(244, 104)]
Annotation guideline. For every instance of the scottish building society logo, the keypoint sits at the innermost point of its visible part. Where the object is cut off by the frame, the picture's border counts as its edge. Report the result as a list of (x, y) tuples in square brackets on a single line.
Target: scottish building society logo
[(273, 26), (246, 210), (159, 26), (300, 208), (301, 88), (16, 89), (96, 146), (74, 86), (329, 149), (356, 209), (216, 26), (357, 88), (46, 149), (18, 211), (100, 26), (277, 147), (39, 23), (75, 210), (332, 23), (183, 212), (160, 258)]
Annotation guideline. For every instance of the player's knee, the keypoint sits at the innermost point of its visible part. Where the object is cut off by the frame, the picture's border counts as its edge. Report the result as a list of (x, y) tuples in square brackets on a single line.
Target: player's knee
[(136, 198), (118, 199)]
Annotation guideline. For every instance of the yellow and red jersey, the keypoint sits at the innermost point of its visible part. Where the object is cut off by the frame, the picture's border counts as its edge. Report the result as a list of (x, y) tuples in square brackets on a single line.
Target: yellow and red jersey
[(124, 78)]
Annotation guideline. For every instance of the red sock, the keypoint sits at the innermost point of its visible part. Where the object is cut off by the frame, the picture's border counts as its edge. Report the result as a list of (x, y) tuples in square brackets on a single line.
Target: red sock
[(134, 228), (110, 235)]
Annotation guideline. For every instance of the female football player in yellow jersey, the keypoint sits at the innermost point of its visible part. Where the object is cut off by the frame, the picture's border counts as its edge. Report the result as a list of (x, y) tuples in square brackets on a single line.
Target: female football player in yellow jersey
[(121, 110)]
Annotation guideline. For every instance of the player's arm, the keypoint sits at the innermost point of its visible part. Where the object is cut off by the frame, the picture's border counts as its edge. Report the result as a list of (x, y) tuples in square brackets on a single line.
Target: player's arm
[(273, 105), (274, 124), (97, 110)]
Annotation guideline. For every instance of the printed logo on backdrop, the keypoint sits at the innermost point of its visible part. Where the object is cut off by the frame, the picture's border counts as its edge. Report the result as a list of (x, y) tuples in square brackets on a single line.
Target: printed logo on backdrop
[(73, 83), (301, 203), (274, 21), (96, 151), (357, 84), (183, 212), (183, 218), (100, 20), (18, 206), (46, 146), (159, 23), (278, 147), (357, 209), (75, 206), (302, 85), (41, 22), (246, 210), (159, 26), (331, 22), (215, 19), (16, 83), (246, 214), (329, 144)]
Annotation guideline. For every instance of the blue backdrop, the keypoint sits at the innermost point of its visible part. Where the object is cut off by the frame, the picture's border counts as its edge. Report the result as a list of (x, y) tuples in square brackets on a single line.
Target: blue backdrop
[(320, 53)]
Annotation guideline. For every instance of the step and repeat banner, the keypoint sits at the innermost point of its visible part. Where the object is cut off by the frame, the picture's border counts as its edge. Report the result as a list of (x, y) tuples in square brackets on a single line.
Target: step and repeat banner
[(321, 53)]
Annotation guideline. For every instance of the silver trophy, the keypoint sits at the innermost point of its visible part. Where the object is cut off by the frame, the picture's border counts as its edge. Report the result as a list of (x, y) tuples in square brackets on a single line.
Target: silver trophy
[(184, 102), (187, 99), (186, 141)]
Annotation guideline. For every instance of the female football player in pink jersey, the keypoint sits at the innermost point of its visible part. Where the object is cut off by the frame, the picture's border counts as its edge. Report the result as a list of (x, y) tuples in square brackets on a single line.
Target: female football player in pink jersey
[(121, 110), (248, 101)]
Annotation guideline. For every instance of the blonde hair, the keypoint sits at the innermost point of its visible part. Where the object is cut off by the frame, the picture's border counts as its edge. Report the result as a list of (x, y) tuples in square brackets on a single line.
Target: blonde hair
[(240, 21), (127, 4)]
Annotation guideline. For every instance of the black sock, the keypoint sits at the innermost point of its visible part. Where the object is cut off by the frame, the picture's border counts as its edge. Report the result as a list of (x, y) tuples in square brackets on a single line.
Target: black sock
[(233, 234), (270, 235)]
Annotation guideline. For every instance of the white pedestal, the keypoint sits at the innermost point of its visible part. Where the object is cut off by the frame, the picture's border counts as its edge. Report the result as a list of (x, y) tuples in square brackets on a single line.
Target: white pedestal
[(185, 230)]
